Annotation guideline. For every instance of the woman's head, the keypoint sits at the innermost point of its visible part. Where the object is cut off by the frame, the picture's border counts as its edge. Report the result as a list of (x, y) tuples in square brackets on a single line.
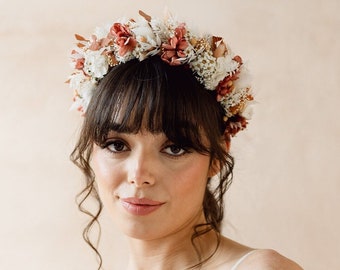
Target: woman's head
[(155, 97)]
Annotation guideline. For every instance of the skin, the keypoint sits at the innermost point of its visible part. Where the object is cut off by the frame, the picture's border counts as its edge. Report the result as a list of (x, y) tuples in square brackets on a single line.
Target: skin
[(146, 165)]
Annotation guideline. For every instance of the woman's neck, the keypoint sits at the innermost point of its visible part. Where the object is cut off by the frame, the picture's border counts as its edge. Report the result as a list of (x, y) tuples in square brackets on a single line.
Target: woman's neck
[(175, 251)]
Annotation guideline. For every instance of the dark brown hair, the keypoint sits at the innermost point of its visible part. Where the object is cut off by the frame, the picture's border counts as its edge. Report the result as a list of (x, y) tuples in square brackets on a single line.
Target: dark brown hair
[(156, 97)]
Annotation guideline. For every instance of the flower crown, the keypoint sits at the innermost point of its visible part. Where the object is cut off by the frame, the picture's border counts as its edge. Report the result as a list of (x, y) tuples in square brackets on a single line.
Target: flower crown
[(211, 60)]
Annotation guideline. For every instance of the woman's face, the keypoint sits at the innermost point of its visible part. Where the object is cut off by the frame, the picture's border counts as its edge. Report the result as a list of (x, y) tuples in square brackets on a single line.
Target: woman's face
[(151, 187)]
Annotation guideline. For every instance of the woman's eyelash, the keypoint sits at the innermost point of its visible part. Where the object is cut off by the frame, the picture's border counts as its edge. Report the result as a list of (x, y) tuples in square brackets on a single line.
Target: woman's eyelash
[(175, 150), (115, 146)]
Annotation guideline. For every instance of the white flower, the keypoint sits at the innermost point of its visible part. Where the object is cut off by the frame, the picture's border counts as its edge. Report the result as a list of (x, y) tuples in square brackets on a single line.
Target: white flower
[(84, 95), (244, 80), (141, 28), (149, 42), (160, 29), (96, 64), (76, 79), (86, 90), (225, 66)]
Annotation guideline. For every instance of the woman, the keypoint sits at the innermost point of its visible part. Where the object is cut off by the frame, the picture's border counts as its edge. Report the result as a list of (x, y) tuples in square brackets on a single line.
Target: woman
[(160, 106)]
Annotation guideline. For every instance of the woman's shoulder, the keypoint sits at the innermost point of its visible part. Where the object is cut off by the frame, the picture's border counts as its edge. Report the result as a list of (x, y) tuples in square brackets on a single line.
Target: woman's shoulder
[(267, 259), (235, 256)]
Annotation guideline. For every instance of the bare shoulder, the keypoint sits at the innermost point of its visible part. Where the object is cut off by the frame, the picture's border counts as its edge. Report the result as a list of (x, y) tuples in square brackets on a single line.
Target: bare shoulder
[(268, 259)]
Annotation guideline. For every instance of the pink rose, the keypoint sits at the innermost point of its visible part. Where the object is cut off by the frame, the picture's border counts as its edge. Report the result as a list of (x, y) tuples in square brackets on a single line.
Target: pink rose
[(174, 49), (123, 38)]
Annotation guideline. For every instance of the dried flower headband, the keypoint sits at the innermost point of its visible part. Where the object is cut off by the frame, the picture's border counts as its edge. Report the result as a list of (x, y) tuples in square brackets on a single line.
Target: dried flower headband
[(209, 57)]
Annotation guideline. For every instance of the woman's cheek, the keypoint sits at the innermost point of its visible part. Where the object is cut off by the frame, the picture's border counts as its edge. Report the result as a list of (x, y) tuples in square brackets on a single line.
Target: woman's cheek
[(105, 170), (191, 175)]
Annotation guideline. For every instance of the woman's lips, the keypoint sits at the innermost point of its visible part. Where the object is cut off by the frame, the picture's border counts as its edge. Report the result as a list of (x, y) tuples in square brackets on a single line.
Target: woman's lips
[(140, 206)]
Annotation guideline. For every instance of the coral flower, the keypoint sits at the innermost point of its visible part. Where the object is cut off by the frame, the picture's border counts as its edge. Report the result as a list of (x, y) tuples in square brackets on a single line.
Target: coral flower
[(226, 86), (174, 50), (124, 38), (235, 124)]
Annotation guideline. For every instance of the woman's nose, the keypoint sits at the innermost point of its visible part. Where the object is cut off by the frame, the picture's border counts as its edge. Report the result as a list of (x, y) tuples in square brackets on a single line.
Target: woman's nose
[(141, 171)]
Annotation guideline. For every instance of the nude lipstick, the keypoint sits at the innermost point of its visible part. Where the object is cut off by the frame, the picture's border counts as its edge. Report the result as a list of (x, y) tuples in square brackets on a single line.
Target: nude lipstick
[(140, 206)]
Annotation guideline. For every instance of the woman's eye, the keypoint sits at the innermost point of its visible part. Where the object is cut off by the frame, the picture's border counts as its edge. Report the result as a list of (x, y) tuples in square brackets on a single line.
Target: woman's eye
[(174, 150), (116, 146)]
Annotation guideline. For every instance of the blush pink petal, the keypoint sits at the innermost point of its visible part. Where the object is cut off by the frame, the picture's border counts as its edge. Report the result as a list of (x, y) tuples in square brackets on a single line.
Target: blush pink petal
[(169, 54), (181, 54), (173, 42), (175, 62), (182, 45), (124, 38), (80, 63), (167, 47)]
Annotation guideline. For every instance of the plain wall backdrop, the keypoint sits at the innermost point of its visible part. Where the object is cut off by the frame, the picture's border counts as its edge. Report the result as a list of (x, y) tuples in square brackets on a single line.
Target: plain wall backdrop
[(287, 175)]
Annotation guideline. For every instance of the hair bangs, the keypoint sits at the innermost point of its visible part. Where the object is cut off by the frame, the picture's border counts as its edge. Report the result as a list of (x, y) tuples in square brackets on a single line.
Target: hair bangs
[(153, 97)]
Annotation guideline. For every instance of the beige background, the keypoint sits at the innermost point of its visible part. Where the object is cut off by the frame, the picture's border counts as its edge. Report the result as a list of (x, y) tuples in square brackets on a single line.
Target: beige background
[(287, 177)]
